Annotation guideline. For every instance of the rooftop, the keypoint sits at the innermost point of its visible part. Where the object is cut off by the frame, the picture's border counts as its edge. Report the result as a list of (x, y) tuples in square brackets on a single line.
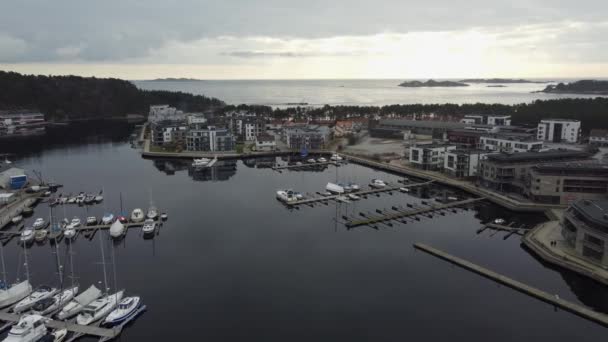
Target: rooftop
[(515, 136), (596, 132), (434, 145), (581, 165), (422, 123), (595, 210), (540, 156), (559, 120)]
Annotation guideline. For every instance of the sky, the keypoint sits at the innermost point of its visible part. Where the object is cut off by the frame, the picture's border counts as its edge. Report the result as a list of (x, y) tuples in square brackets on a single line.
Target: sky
[(287, 39)]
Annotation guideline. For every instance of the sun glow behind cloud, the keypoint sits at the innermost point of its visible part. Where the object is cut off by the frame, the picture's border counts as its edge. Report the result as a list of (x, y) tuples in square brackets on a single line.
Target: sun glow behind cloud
[(544, 50)]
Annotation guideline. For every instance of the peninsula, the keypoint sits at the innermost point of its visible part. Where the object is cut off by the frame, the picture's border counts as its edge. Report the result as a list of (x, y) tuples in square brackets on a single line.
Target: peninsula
[(590, 87), (432, 83)]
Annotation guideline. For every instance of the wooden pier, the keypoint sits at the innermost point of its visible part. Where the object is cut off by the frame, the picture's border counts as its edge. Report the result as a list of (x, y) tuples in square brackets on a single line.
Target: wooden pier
[(362, 193), (399, 214), (576, 309), (305, 165)]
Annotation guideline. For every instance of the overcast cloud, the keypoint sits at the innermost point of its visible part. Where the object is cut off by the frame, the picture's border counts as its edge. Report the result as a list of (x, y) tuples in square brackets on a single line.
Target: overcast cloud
[(234, 35)]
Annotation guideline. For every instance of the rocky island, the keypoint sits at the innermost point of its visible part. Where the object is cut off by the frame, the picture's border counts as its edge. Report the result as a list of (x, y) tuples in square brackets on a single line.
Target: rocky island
[(588, 87), (432, 83), (497, 80)]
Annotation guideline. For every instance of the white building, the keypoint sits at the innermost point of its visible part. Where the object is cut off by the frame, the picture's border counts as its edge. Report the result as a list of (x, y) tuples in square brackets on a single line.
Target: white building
[(165, 112), (559, 130), (598, 137), (511, 142), (430, 156), (463, 163), (196, 118), (494, 120), (265, 143)]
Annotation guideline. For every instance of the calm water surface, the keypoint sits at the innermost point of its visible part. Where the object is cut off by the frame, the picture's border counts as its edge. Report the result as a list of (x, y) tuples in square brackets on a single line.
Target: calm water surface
[(233, 264), (278, 93)]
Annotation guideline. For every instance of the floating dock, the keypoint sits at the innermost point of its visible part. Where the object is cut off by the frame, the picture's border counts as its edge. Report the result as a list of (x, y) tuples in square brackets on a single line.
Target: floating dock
[(306, 165), (361, 193), (77, 329), (370, 220), (576, 309)]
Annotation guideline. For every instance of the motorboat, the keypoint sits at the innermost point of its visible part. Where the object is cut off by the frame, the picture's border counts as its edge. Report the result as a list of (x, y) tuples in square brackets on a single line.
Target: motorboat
[(55, 336), (75, 223), (54, 303), (69, 232), (39, 223), (311, 160), (149, 226), (499, 221), (55, 232), (286, 196), (27, 211), (327, 193), (30, 328), (89, 199), (354, 186), (91, 221), (202, 162), (335, 157), (152, 213), (334, 188), (322, 160), (47, 193), (39, 294), (137, 215), (80, 198), (14, 293), (164, 216), (298, 163), (76, 305), (117, 229), (353, 197), (377, 183), (122, 218), (53, 202), (99, 308), (40, 235), (107, 218), (17, 219), (404, 189), (347, 187), (126, 309), (99, 198), (72, 200), (27, 235)]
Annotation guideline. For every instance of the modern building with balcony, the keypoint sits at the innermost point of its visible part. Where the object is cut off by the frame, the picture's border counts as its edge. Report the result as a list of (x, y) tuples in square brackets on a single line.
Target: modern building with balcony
[(585, 230), (430, 156), (209, 139), (492, 120), (510, 142), (461, 163), (559, 130)]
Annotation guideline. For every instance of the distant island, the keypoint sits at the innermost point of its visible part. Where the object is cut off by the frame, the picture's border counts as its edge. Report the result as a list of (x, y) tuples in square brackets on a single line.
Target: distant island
[(432, 83), (496, 86), (171, 79), (590, 87), (498, 80)]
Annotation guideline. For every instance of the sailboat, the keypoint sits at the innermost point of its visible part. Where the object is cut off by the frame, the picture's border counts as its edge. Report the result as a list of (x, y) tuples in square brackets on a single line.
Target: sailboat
[(100, 307), (152, 210), (78, 303), (9, 295), (117, 229)]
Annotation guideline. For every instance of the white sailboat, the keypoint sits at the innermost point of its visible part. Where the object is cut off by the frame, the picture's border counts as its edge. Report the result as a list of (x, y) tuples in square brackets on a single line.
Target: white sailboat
[(9, 295), (137, 215), (76, 305), (117, 229)]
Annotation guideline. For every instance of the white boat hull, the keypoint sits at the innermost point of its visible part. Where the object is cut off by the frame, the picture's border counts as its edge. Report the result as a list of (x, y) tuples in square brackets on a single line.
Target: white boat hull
[(15, 293)]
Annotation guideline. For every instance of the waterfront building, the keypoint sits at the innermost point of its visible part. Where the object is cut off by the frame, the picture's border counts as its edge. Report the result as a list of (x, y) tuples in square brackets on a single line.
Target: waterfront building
[(311, 137), (349, 126), (463, 163), (246, 127), (168, 132), (395, 128), (585, 230), (492, 120), (12, 177), (565, 182), (598, 137), (429, 156), (509, 172), (510, 142), (209, 139), (160, 113), (559, 130), (15, 119), (265, 143)]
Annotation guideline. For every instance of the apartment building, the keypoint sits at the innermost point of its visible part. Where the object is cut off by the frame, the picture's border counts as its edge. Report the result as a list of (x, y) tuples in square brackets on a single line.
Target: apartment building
[(559, 130), (585, 229), (430, 156), (510, 142), (598, 137), (492, 120), (209, 139), (463, 163)]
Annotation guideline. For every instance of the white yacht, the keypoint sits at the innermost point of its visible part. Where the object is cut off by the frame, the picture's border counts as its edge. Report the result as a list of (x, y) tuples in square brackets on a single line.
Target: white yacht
[(334, 188), (322, 160), (377, 183), (98, 198), (17, 219), (107, 218), (27, 235), (55, 336), (40, 235), (499, 221), (404, 189), (353, 197), (311, 160), (91, 221), (137, 215), (77, 304), (15, 293), (56, 302), (126, 309), (286, 196), (39, 223), (39, 294), (30, 328), (152, 213), (204, 162), (69, 232), (99, 308), (75, 223), (149, 226), (336, 157), (117, 229)]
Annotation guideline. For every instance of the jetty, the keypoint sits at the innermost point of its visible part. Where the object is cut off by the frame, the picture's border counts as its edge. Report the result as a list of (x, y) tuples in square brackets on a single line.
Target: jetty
[(362, 193), (576, 309), (304, 165), (399, 214)]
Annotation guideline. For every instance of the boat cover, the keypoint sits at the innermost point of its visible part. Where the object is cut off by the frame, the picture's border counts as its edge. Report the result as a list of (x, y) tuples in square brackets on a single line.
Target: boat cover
[(88, 296)]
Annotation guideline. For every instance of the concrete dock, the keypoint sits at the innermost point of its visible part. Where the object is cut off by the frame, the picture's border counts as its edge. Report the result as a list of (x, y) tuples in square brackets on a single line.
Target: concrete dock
[(390, 216), (75, 328), (576, 309), (362, 193)]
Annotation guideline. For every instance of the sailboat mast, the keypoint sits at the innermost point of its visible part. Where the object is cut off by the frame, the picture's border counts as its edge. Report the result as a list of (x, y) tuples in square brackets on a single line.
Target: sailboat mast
[(3, 264), (71, 262), (103, 262), (27, 267), (114, 269)]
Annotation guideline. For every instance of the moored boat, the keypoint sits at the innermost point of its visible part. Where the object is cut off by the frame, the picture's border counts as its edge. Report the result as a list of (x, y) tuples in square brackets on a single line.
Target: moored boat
[(99, 308), (164, 216), (336, 157), (76, 305), (17, 219), (353, 197), (117, 229), (137, 215), (30, 328), (152, 213), (126, 309), (107, 218), (286, 196), (322, 160), (55, 302), (39, 294), (14, 293), (91, 221), (27, 235), (40, 235), (149, 226), (39, 223), (334, 188), (377, 183)]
